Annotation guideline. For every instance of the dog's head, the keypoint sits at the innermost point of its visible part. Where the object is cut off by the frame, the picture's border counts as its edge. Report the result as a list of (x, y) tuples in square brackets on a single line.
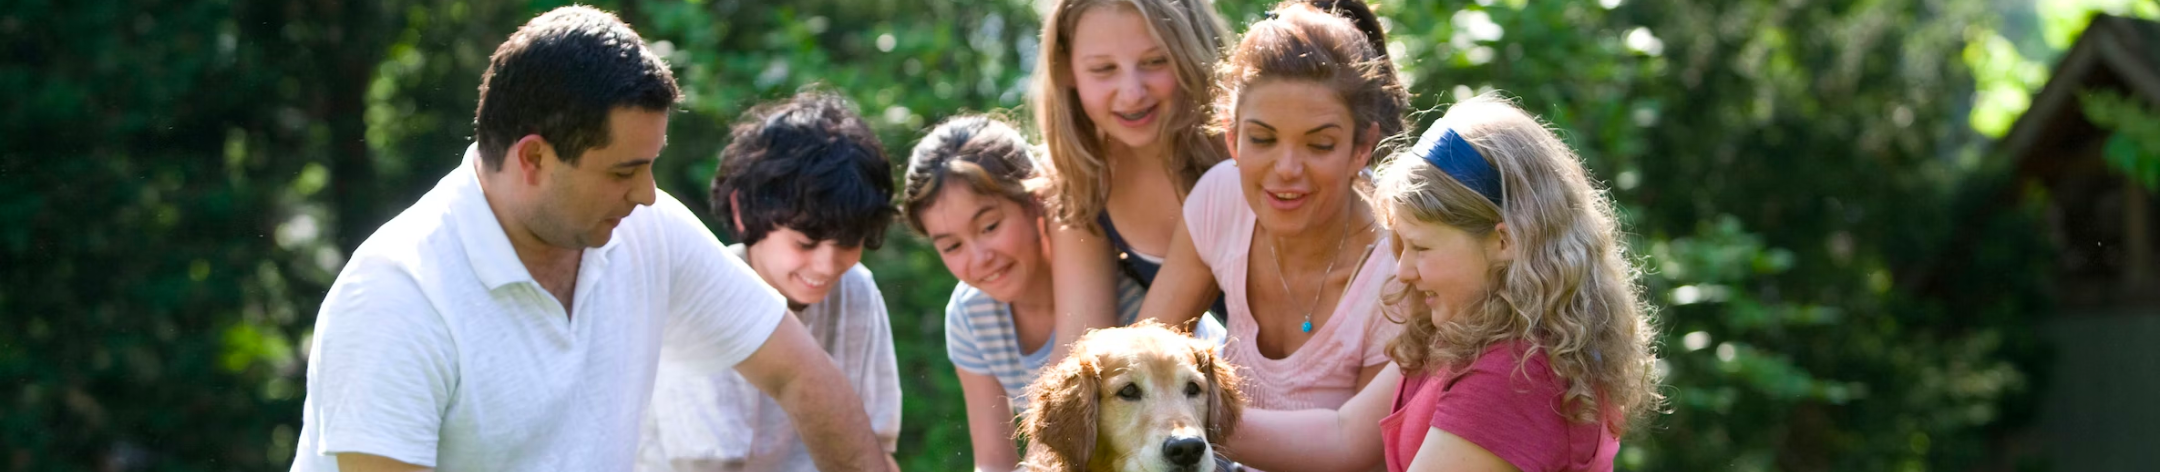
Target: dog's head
[(1136, 398)]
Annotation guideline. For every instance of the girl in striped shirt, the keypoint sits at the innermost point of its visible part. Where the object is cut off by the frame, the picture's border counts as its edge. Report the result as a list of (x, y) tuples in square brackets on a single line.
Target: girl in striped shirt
[(964, 192)]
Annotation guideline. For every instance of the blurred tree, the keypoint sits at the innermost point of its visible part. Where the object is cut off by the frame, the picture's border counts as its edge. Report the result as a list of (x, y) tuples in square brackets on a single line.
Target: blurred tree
[(163, 188)]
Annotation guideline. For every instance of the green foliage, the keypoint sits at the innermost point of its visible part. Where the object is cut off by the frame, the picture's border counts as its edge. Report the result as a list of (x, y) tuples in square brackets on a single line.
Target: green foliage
[(157, 257), (2133, 143), (2006, 79), (1837, 291)]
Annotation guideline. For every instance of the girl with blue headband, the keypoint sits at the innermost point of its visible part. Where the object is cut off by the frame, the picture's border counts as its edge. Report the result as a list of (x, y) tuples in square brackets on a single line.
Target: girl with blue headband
[(1526, 343)]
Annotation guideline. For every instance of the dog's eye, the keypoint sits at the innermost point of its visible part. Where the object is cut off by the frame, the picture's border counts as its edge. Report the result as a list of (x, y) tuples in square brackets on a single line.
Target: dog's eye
[(1130, 392), (1192, 389)]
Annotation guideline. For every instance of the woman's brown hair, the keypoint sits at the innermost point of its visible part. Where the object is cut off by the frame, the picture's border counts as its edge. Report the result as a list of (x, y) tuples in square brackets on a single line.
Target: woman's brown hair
[(1301, 42)]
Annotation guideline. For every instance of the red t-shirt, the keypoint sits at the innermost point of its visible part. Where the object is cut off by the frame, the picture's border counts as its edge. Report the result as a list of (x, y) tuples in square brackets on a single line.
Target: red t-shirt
[(1513, 414)]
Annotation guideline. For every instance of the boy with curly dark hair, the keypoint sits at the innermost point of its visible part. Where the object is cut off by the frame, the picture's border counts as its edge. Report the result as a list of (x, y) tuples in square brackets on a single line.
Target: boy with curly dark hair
[(805, 187)]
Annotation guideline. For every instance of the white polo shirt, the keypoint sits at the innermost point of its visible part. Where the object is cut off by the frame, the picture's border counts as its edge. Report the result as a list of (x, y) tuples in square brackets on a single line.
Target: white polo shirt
[(435, 346)]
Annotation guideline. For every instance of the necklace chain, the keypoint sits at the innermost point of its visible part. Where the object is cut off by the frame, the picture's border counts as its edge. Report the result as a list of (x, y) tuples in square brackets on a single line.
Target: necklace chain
[(1275, 246)]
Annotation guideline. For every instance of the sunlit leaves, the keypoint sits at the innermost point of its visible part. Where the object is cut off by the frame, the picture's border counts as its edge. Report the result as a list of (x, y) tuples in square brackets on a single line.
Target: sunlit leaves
[(2133, 143)]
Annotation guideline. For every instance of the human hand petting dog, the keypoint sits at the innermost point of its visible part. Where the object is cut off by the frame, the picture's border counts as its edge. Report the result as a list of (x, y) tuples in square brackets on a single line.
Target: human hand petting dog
[(1137, 398)]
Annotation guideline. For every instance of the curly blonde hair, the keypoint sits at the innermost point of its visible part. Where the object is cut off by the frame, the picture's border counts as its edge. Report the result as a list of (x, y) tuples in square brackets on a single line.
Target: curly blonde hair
[(1075, 179), (1569, 290)]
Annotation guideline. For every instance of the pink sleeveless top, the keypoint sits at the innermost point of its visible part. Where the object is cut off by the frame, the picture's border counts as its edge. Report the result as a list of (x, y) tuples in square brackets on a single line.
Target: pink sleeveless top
[(1323, 373), (1511, 413)]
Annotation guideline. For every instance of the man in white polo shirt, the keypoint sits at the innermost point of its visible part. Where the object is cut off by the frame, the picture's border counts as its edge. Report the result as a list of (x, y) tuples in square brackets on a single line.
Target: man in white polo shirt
[(512, 318)]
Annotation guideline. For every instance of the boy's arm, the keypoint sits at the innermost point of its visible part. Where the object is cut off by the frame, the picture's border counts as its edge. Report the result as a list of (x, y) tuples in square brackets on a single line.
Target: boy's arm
[(879, 383)]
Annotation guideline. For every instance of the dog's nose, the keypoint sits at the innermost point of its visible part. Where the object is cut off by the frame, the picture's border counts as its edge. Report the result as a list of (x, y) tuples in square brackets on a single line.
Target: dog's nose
[(1184, 451)]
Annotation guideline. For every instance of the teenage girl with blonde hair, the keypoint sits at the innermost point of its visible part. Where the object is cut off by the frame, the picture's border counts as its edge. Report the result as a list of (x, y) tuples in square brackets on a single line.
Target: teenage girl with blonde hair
[(1526, 343), (1120, 96)]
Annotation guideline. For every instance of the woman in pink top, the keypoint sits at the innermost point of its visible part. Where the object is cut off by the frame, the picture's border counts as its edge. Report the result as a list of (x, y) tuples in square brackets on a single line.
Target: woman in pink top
[(1527, 346), (1280, 230)]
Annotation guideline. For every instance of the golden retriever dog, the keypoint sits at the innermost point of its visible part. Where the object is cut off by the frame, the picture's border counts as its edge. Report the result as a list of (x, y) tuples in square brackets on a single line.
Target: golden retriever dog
[(1138, 398)]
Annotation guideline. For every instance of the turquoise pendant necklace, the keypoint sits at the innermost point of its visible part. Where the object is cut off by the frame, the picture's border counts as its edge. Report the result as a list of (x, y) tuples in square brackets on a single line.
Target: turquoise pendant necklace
[(1275, 246)]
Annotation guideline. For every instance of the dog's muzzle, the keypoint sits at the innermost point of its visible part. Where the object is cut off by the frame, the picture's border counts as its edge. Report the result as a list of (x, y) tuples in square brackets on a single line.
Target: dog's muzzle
[(1185, 451)]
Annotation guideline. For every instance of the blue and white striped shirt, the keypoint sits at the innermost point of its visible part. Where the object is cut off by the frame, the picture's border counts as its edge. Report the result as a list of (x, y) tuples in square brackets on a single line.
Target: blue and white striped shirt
[(979, 336)]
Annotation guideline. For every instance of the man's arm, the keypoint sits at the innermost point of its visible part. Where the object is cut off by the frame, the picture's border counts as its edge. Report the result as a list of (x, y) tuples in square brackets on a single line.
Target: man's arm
[(794, 371), (380, 372), (357, 462)]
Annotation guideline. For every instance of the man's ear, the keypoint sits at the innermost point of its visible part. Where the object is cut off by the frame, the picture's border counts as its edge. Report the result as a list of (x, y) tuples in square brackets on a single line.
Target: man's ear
[(529, 155), (734, 206), (1500, 245)]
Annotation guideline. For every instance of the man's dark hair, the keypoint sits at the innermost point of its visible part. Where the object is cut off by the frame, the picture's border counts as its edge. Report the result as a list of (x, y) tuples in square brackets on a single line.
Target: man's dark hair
[(559, 76), (809, 164)]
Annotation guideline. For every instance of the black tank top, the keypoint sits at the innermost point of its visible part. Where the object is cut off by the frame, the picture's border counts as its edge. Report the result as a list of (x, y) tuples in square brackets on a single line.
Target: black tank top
[(1142, 271)]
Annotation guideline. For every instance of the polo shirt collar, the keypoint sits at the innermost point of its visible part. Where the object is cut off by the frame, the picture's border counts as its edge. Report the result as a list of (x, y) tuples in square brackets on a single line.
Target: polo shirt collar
[(487, 247)]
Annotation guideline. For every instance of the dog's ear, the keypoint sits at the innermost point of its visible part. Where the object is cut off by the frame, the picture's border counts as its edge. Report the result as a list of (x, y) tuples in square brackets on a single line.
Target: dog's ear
[(1061, 424), (1225, 404)]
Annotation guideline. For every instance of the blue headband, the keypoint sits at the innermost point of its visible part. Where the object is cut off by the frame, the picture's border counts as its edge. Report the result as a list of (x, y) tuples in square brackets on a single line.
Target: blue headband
[(1442, 148)]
